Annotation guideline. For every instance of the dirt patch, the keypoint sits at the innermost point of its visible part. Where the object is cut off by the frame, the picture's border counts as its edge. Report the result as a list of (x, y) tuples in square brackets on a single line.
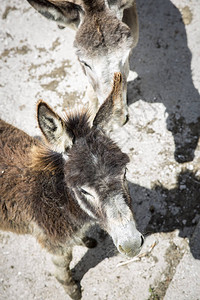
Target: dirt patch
[(186, 15), (55, 44), (70, 99), (51, 86), (13, 51), (36, 66), (7, 11), (41, 49), (59, 72)]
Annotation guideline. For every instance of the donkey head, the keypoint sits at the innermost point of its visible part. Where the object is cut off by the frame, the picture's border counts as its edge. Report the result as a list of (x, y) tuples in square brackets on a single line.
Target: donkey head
[(95, 168), (102, 43)]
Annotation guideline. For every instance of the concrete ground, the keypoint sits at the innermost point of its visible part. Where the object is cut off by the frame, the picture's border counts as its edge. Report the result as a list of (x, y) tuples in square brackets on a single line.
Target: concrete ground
[(161, 138)]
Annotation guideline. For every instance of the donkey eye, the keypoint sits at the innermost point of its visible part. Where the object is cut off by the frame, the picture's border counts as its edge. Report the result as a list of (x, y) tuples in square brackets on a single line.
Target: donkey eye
[(125, 173), (85, 192), (85, 64)]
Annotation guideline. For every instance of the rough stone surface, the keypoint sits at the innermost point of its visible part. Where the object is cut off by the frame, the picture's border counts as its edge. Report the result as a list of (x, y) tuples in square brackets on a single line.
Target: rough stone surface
[(162, 139)]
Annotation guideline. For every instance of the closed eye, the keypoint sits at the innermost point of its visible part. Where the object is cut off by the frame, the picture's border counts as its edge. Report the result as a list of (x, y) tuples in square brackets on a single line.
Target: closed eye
[(125, 173), (85, 64), (89, 194), (85, 192)]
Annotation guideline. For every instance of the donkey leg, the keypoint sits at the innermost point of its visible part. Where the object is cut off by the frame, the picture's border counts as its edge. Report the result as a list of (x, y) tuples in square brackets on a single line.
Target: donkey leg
[(63, 275)]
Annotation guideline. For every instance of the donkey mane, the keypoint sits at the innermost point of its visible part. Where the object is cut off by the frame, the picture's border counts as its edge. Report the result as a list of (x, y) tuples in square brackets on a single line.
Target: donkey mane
[(102, 31), (93, 5), (77, 123), (43, 158)]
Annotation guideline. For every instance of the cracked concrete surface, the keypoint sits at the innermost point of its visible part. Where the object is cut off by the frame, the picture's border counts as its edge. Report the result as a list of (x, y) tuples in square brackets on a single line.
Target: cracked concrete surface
[(162, 139)]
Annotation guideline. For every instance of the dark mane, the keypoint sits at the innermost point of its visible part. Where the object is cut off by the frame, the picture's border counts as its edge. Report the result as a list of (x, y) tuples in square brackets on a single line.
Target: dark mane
[(77, 124), (102, 32), (93, 5)]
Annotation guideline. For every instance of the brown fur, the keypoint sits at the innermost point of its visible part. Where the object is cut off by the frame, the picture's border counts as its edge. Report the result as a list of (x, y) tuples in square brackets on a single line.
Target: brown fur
[(23, 187), (35, 200), (15, 176), (42, 185), (45, 159)]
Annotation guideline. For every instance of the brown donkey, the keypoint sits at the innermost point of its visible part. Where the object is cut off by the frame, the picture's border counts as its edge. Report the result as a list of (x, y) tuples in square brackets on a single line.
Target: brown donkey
[(55, 190)]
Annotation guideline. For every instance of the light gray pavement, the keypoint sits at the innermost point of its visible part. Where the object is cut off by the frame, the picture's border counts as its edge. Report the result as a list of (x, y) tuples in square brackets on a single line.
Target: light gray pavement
[(161, 138)]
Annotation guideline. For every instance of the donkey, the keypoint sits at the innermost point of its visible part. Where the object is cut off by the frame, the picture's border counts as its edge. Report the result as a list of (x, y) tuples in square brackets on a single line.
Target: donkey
[(55, 190), (107, 31)]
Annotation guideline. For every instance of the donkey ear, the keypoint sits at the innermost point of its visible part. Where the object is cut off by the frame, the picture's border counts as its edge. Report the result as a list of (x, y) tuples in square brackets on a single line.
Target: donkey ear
[(111, 113), (65, 13), (53, 128)]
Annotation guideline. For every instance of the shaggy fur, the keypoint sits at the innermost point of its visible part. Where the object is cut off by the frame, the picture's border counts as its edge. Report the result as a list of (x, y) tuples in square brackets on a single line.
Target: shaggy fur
[(106, 32), (33, 194), (36, 195), (43, 184)]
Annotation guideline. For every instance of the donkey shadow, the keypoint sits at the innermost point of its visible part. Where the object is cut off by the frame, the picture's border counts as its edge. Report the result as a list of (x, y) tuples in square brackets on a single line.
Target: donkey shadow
[(156, 210), (104, 249), (162, 61), (163, 210)]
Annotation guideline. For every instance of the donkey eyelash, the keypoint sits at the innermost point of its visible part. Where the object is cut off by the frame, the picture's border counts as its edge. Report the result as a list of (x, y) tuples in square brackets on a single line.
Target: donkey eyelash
[(83, 62), (125, 173), (85, 192)]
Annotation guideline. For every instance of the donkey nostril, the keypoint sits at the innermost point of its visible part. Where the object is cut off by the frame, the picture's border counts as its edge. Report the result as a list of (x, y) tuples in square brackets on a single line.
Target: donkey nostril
[(121, 249), (126, 120), (142, 240), (125, 249)]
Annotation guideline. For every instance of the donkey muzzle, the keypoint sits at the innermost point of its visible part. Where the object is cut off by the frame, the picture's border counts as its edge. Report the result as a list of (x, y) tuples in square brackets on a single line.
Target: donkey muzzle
[(127, 239)]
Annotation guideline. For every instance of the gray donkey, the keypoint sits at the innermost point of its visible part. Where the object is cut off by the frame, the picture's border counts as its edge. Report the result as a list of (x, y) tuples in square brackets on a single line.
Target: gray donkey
[(57, 189), (107, 31)]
